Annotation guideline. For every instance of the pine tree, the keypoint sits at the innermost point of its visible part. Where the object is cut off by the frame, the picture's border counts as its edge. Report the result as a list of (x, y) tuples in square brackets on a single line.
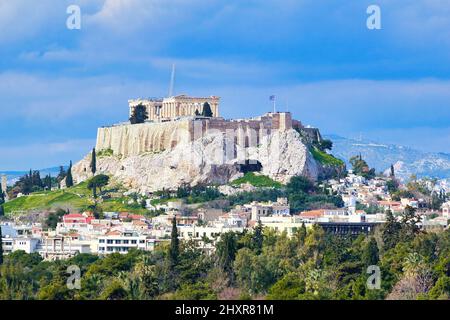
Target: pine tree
[(391, 231), (371, 253), (69, 178), (174, 250), (207, 112), (93, 162), (48, 182), (392, 171), (62, 174)]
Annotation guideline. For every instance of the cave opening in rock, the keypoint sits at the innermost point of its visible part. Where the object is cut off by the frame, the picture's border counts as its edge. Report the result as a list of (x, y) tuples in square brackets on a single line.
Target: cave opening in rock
[(250, 166)]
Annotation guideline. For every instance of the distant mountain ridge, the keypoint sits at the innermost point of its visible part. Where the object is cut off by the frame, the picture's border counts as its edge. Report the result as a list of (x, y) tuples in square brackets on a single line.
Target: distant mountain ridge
[(406, 160)]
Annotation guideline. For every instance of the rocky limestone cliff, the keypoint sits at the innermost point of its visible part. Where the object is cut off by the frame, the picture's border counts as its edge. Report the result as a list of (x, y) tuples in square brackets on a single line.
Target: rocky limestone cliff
[(212, 159)]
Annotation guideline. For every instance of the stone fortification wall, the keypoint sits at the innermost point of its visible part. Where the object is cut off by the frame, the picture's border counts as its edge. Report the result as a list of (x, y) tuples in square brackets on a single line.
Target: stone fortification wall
[(129, 140)]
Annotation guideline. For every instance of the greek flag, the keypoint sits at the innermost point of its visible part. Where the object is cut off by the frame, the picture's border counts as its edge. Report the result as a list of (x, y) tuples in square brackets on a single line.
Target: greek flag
[(272, 98)]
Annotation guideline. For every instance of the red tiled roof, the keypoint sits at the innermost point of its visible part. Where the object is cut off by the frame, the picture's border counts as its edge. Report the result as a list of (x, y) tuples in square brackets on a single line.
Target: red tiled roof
[(73, 215), (313, 213)]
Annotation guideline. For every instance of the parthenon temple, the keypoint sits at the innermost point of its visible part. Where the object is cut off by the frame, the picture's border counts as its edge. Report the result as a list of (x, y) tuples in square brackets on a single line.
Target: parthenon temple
[(177, 106)]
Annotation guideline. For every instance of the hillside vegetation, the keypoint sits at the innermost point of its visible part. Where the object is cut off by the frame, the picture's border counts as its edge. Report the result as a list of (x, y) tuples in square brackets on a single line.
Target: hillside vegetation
[(257, 181), (325, 158), (77, 198)]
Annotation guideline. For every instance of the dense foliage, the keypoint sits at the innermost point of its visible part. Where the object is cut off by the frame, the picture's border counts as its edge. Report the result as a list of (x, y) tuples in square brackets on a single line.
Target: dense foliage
[(361, 168), (257, 181), (258, 264)]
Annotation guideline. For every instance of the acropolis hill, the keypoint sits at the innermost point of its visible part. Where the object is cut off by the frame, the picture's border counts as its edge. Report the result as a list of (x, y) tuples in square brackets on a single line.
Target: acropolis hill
[(176, 145)]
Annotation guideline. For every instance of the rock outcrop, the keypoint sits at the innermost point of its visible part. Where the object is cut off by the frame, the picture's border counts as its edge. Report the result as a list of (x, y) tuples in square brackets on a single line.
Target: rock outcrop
[(212, 159)]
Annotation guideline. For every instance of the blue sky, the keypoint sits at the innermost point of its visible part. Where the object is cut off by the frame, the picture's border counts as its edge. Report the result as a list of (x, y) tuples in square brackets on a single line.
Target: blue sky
[(58, 85)]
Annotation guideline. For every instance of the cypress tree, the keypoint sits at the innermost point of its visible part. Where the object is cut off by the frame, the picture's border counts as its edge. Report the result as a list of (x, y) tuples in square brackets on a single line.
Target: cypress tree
[(93, 162), (371, 253), (174, 249), (1, 246), (2, 201), (258, 237), (301, 234), (69, 178), (226, 250), (392, 171)]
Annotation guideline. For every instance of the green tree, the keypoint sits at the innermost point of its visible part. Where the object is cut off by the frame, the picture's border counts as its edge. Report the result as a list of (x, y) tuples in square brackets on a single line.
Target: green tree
[(299, 184), (361, 168), (62, 174), (114, 291), (54, 217), (325, 145), (391, 231), (174, 250), (139, 114), (287, 288), (100, 181), (300, 235), (2, 201), (258, 237), (226, 249), (93, 162), (392, 186), (207, 112), (69, 178), (410, 223), (392, 171), (371, 253), (1, 246)]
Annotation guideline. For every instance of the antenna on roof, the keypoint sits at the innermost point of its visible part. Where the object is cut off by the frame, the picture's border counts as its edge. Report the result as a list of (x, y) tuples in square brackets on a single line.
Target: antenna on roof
[(172, 81)]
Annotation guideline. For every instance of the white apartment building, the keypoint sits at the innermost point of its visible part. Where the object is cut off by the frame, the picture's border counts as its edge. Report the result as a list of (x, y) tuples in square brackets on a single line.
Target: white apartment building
[(446, 210), (60, 247), (29, 245), (262, 209), (124, 241), (284, 224)]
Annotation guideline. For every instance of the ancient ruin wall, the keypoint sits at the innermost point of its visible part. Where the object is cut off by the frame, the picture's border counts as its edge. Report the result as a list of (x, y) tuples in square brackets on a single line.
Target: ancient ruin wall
[(130, 140)]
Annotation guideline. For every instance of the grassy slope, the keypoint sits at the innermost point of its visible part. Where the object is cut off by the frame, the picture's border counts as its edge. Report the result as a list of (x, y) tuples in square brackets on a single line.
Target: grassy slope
[(325, 158), (257, 181), (77, 197)]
